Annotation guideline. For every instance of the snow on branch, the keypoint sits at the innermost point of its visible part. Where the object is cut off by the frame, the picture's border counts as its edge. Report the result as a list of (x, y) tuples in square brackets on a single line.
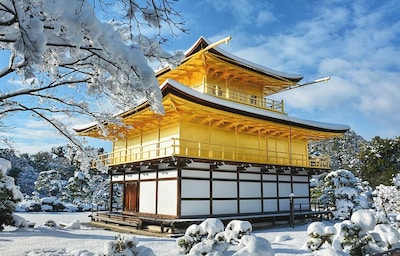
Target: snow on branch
[(94, 49)]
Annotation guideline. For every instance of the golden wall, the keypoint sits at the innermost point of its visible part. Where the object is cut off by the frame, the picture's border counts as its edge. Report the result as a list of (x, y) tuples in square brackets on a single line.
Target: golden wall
[(208, 141)]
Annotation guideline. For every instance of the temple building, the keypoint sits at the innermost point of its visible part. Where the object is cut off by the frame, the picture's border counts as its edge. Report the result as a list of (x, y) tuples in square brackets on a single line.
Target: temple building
[(222, 149)]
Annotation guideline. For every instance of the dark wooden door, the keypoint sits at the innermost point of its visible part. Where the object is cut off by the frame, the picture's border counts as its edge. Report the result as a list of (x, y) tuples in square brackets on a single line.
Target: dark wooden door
[(131, 197)]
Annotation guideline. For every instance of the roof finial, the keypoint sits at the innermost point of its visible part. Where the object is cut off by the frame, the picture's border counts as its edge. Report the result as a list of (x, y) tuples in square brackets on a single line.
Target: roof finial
[(225, 40)]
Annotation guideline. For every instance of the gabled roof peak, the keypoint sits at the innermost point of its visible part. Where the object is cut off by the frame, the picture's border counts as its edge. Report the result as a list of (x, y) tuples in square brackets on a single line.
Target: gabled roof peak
[(202, 43)]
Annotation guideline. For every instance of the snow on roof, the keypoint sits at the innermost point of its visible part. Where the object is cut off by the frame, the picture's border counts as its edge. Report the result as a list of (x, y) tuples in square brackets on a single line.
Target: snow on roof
[(244, 62), (81, 127), (280, 117), (254, 110)]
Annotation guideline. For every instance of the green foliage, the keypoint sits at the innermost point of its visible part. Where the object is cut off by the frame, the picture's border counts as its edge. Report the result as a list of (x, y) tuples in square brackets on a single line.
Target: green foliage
[(344, 193), (48, 183), (77, 187), (9, 195), (210, 236), (319, 234), (125, 245), (376, 161), (6, 204), (380, 160), (343, 151), (355, 240)]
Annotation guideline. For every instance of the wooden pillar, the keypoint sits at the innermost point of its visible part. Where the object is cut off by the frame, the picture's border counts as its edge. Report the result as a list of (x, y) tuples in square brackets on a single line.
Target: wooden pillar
[(179, 193), (111, 191)]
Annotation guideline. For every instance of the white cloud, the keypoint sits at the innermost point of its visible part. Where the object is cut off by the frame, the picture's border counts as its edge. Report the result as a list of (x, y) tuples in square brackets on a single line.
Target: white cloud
[(356, 44), (245, 12), (31, 135)]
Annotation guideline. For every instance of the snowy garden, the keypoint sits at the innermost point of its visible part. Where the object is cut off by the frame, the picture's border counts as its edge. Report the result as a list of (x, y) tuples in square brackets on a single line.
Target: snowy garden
[(59, 48), (365, 222)]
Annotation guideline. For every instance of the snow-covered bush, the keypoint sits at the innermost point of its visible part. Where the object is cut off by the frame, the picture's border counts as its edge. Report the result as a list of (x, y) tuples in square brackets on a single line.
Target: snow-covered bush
[(200, 237), (50, 183), (75, 224), (210, 238), (345, 193), (9, 194), (50, 223), (253, 245), (19, 222), (237, 229), (387, 198), (363, 234), (125, 246), (52, 204), (319, 233)]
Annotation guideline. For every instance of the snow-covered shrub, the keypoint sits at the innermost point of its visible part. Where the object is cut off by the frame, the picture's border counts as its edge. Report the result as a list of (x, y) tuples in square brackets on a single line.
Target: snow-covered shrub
[(52, 204), (345, 193), (50, 223), (319, 234), (387, 198), (50, 183), (210, 238), (389, 237), (125, 246), (238, 228), (75, 224), (282, 238), (202, 234), (254, 246), (9, 194), (31, 206), (193, 235), (352, 239), (19, 222), (210, 227), (361, 235)]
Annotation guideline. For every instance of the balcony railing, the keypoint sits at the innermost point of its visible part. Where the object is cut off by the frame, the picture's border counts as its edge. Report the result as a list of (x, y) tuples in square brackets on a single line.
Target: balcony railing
[(245, 98), (192, 149)]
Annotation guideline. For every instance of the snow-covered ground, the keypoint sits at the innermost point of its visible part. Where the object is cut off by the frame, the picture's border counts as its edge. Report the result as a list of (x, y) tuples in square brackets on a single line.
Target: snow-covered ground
[(42, 240)]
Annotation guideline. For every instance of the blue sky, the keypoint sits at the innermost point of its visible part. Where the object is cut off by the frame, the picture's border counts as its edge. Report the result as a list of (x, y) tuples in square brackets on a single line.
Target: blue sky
[(356, 43)]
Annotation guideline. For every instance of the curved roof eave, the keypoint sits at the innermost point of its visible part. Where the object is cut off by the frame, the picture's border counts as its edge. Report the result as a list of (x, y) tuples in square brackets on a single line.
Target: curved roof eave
[(172, 86), (214, 102)]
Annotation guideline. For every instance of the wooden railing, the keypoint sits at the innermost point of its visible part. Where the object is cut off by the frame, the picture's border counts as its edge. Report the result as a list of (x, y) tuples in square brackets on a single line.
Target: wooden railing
[(192, 149), (245, 98)]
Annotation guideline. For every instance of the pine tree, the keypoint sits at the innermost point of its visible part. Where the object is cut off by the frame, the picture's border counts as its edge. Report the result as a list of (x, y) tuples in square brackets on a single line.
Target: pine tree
[(22, 170), (9, 194), (49, 183), (343, 151), (345, 193), (380, 161), (77, 188)]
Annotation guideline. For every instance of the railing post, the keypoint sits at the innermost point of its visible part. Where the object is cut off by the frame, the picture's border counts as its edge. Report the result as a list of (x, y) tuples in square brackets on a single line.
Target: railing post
[(199, 149)]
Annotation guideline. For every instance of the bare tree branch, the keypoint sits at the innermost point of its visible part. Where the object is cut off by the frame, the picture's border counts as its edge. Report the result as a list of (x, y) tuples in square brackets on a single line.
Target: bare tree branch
[(55, 125), (58, 46)]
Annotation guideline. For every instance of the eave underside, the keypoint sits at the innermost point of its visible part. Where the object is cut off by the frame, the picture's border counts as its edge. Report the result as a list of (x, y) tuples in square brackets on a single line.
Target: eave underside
[(210, 64), (178, 109)]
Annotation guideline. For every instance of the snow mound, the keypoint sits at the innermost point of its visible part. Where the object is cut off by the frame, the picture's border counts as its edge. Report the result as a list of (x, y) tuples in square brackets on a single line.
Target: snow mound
[(253, 245), (76, 224), (364, 219), (19, 222), (5, 165), (316, 229), (282, 238), (64, 251), (389, 236), (211, 227)]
